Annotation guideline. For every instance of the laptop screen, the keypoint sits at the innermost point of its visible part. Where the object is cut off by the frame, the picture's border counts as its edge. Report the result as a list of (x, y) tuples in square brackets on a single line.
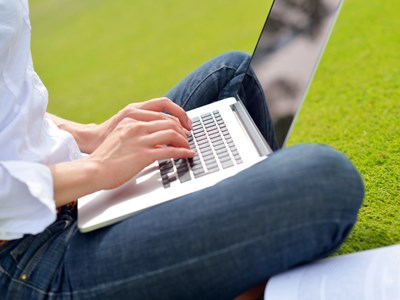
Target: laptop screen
[(287, 53)]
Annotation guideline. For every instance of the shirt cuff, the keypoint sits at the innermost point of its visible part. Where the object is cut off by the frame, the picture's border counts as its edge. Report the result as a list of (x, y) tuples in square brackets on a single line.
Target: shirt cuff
[(26, 200)]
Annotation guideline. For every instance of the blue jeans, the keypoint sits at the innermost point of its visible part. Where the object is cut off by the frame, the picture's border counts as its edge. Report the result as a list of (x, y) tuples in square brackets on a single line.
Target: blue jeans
[(292, 208)]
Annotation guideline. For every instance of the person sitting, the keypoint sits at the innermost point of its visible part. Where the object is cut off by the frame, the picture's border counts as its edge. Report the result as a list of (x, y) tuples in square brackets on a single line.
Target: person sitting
[(297, 206)]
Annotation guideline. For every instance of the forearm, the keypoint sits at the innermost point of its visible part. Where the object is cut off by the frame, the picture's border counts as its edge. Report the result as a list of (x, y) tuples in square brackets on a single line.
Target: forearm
[(84, 134), (72, 180)]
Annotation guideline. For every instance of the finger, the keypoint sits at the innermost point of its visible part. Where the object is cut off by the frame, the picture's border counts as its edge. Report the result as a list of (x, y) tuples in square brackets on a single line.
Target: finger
[(171, 152), (162, 125), (139, 114), (166, 137), (165, 104)]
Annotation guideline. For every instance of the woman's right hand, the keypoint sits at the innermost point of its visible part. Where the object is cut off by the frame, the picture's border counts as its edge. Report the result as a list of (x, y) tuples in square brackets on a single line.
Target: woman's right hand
[(133, 145)]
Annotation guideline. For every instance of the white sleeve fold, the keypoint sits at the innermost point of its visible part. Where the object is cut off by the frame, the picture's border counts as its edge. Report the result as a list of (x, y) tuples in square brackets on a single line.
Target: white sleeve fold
[(26, 199)]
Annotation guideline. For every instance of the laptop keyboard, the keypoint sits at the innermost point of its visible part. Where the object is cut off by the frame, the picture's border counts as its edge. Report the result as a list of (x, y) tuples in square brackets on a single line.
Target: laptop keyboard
[(214, 147)]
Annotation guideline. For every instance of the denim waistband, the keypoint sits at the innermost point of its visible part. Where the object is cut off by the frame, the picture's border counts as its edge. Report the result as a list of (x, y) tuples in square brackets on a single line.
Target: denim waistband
[(71, 209)]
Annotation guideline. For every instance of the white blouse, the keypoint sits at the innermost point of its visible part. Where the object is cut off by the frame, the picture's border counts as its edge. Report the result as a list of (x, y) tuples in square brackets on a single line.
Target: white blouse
[(28, 141)]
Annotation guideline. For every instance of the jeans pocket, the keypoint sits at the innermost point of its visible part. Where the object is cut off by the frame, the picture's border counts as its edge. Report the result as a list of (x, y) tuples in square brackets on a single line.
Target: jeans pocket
[(27, 254)]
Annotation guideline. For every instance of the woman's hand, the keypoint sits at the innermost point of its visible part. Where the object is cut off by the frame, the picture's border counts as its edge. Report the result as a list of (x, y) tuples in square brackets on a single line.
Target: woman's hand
[(133, 145), (152, 110)]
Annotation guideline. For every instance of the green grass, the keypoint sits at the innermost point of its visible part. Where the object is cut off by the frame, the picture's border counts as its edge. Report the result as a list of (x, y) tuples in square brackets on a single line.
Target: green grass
[(353, 105), (95, 56)]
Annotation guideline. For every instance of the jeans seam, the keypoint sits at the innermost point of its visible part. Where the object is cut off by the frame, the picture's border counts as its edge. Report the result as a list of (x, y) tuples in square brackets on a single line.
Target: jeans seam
[(190, 261)]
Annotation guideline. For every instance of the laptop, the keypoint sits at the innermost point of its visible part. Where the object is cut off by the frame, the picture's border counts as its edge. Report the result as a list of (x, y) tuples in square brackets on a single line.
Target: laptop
[(224, 136)]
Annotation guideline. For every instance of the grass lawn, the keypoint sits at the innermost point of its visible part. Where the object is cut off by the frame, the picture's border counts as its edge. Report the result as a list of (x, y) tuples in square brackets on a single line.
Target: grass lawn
[(354, 106), (95, 56)]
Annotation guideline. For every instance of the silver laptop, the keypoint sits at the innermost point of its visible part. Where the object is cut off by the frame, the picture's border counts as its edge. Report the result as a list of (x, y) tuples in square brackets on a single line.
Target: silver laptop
[(224, 136)]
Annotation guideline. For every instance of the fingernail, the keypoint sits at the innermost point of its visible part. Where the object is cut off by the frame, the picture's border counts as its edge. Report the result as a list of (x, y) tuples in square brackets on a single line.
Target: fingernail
[(189, 123)]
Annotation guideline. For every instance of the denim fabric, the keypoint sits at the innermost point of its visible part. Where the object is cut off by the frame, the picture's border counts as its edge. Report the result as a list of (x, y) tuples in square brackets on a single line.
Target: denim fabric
[(227, 75), (294, 207)]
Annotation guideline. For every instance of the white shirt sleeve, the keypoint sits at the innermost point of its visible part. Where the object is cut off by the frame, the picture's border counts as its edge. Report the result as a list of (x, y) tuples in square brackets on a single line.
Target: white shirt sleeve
[(26, 199), (29, 143)]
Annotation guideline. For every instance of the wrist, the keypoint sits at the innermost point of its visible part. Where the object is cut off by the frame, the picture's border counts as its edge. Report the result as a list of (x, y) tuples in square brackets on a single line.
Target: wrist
[(86, 136), (72, 180)]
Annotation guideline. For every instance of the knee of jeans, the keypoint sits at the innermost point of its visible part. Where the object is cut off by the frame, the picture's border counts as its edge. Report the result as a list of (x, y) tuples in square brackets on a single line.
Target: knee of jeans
[(338, 177), (236, 59)]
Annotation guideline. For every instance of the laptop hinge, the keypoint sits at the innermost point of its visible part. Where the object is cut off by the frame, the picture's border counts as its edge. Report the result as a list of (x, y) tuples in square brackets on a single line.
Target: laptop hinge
[(251, 128)]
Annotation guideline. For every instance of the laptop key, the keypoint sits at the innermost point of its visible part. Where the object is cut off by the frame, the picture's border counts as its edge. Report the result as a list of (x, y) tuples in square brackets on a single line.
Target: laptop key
[(210, 127), (205, 151), (216, 138), (219, 147), (235, 152), (197, 168), (224, 157), (197, 127), (237, 156), (227, 164), (182, 168), (212, 170), (208, 121), (166, 171), (201, 138), (209, 157), (212, 130), (220, 151), (184, 176), (211, 166), (210, 163), (218, 142), (166, 165), (195, 119), (205, 147), (214, 135), (198, 173), (165, 181), (207, 115)]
